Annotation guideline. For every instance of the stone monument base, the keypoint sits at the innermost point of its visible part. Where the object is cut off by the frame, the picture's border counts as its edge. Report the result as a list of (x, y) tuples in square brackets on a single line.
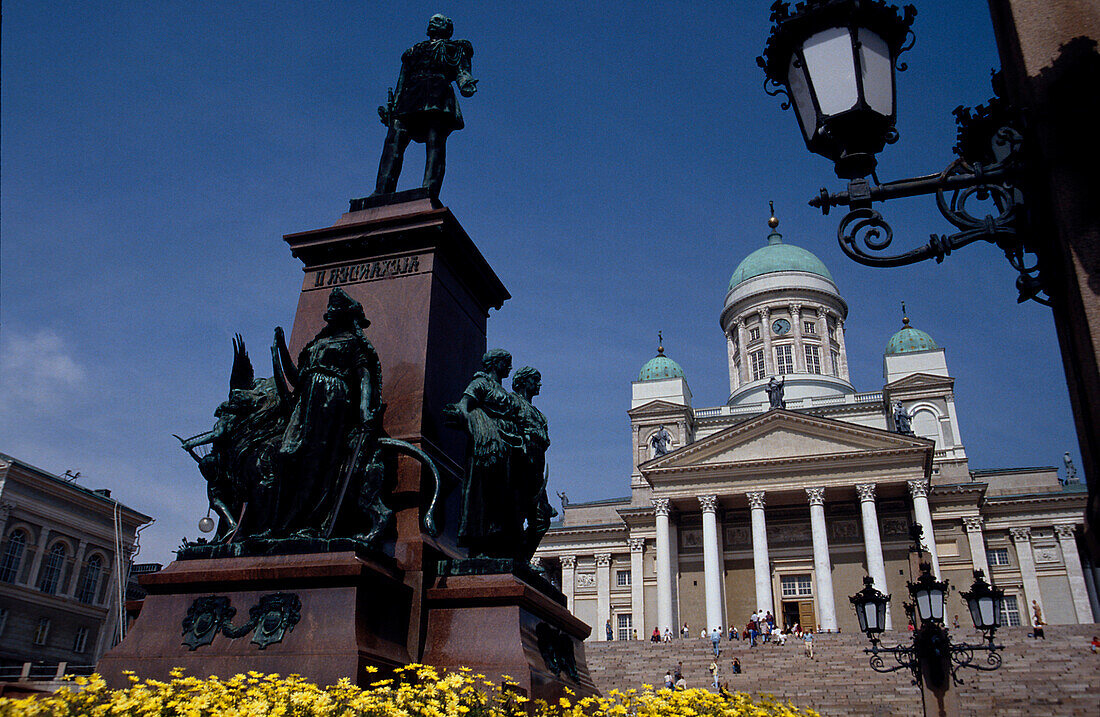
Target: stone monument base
[(500, 625), (322, 616)]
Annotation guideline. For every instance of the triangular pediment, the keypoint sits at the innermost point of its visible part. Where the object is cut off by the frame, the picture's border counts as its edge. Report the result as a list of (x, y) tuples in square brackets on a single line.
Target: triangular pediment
[(919, 380), (784, 435), (656, 407)]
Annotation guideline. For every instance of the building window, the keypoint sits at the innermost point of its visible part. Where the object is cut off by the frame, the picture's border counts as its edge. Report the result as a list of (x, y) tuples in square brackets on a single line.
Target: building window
[(754, 333), (796, 585), (757, 359), (3, 619), (625, 625), (813, 360), (1010, 612), (51, 571), (836, 362), (622, 578), (997, 556), (13, 556), (42, 631), (809, 327), (783, 361), (81, 641), (91, 580)]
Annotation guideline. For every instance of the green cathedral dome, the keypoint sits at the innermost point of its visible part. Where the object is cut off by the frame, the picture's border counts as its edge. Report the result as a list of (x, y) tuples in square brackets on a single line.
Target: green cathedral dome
[(910, 340), (777, 256), (660, 366)]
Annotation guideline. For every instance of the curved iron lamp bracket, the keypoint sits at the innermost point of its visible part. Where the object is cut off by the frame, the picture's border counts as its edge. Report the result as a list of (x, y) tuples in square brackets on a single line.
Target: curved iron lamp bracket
[(864, 234)]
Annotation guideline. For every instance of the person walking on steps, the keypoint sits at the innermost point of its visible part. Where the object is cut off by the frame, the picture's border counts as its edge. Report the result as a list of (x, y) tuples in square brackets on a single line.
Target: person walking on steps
[(716, 641), (808, 641), (714, 673)]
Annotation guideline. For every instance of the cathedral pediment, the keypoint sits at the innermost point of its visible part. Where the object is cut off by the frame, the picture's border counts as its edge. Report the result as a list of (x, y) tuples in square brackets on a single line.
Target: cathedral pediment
[(920, 380), (784, 436), (655, 408)]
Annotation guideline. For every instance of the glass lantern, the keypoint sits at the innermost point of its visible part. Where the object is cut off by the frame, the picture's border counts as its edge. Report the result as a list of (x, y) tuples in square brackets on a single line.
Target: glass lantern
[(836, 61), (985, 603), (870, 605), (928, 593)]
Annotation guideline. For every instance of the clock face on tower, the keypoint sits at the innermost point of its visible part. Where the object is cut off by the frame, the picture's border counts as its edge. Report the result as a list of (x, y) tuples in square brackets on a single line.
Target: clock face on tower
[(781, 326)]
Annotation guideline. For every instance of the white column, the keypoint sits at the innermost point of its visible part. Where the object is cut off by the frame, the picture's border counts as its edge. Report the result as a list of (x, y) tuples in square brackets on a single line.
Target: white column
[(766, 333), (918, 489), (796, 333), (1076, 575), (664, 567), (823, 567), (843, 356), (603, 593), (1021, 537), (761, 562), (568, 578), (637, 587), (712, 571), (978, 557), (742, 344), (872, 541)]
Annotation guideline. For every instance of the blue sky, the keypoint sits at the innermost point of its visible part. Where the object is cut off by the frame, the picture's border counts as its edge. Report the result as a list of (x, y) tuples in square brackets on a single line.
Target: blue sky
[(616, 165)]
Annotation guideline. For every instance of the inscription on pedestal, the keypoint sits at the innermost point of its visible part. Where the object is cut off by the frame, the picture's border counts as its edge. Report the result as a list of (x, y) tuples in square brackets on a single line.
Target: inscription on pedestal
[(365, 271)]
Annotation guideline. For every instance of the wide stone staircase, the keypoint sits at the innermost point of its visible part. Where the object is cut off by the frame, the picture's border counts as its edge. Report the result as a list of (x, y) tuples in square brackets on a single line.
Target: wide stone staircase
[(1056, 676)]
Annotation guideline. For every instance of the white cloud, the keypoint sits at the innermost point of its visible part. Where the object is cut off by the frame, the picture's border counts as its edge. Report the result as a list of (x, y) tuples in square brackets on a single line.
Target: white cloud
[(37, 372)]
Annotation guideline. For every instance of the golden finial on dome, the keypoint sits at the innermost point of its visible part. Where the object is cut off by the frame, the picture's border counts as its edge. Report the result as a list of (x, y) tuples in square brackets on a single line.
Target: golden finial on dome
[(660, 345), (772, 221), (904, 317)]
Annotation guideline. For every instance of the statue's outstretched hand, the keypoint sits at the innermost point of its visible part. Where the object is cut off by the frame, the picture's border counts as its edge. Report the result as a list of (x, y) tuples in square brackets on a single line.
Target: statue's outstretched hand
[(467, 87)]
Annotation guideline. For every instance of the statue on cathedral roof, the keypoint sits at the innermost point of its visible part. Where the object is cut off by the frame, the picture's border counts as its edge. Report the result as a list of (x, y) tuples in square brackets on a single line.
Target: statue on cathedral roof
[(775, 393), (903, 420), (660, 441)]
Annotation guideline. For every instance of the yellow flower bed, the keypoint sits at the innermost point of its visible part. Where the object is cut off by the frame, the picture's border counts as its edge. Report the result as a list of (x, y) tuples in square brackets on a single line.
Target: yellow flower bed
[(417, 691)]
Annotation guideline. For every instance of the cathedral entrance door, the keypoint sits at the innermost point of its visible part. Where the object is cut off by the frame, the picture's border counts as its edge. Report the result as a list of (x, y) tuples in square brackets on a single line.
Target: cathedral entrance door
[(806, 615)]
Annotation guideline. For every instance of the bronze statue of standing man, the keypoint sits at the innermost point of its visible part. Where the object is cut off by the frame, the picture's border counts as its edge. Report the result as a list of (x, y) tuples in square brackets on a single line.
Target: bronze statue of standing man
[(423, 108)]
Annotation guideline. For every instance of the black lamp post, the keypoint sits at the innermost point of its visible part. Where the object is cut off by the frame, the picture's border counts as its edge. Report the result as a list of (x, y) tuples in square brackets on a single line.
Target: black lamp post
[(835, 61), (932, 657)]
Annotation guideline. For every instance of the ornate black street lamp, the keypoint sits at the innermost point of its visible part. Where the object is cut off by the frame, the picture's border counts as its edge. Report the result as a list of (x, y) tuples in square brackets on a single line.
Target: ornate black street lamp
[(835, 61), (932, 657)]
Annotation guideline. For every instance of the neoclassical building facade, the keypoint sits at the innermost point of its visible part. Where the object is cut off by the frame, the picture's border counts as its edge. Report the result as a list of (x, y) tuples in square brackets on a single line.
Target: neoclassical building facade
[(63, 551), (746, 507)]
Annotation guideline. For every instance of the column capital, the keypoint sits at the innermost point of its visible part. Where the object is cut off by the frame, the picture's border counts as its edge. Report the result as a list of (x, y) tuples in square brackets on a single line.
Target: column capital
[(603, 560), (568, 561), (822, 312), (1065, 531), (973, 523), (1020, 535), (637, 545), (709, 503), (796, 309), (756, 499), (866, 492), (739, 322), (764, 312), (816, 496), (918, 488), (536, 561), (660, 505)]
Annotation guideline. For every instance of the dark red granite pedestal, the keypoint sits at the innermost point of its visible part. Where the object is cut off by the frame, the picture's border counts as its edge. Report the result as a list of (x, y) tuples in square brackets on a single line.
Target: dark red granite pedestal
[(499, 625), (354, 612)]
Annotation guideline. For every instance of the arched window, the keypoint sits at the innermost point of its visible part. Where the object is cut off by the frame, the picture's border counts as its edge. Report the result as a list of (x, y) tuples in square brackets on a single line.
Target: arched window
[(51, 569), (13, 556), (91, 580)]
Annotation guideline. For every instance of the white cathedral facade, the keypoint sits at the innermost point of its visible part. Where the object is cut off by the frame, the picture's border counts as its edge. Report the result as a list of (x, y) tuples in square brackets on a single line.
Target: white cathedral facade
[(744, 507)]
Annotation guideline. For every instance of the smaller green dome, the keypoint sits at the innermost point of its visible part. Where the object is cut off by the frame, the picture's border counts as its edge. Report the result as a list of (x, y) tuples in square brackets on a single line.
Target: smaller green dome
[(910, 340), (660, 366)]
